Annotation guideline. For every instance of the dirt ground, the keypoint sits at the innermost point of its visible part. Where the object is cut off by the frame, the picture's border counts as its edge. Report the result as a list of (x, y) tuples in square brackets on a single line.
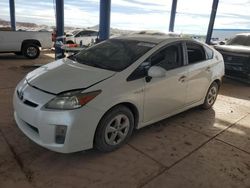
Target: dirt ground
[(196, 148)]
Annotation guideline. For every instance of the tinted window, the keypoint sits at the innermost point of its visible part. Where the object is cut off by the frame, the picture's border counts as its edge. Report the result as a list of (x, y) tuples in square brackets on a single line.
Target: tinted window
[(240, 40), (113, 54), (168, 58), (88, 33), (195, 52)]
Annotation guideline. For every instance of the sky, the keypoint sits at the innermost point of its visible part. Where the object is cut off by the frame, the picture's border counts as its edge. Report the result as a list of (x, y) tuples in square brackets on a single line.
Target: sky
[(192, 15)]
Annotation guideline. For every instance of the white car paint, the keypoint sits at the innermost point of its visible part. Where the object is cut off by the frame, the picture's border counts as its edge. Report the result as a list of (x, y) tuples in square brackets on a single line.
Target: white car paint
[(11, 41), (85, 75), (87, 37), (180, 89)]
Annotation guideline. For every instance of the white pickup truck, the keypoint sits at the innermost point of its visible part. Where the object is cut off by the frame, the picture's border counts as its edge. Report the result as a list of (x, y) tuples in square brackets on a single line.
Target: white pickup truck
[(27, 43)]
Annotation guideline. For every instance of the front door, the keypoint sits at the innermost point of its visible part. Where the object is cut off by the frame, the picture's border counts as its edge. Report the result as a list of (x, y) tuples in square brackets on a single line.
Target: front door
[(165, 95)]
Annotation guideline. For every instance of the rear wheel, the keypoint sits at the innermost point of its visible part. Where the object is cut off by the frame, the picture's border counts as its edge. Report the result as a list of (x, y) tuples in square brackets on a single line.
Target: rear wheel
[(114, 129), (31, 51), (211, 96)]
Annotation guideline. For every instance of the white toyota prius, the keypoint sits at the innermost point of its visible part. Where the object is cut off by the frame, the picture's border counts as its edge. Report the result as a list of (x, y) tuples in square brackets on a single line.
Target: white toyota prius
[(97, 97)]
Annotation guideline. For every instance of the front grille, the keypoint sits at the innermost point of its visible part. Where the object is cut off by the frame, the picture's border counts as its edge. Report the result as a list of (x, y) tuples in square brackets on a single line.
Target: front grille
[(235, 59), (29, 103), (237, 65), (25, 101)]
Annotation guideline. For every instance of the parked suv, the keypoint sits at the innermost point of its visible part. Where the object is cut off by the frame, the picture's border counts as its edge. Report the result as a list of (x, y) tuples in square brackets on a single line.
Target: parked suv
[(97, 97), (236, 53), (85, 37)]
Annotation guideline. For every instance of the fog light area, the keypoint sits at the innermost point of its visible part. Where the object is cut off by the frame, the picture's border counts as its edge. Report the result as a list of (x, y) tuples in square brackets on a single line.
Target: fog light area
[(60, 134)]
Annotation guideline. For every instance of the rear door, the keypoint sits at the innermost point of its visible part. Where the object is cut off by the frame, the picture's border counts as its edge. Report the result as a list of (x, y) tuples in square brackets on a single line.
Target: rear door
[(199, 71)]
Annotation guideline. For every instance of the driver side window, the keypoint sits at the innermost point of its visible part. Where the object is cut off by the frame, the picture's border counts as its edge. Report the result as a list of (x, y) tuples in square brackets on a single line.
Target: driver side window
[(168, 58)]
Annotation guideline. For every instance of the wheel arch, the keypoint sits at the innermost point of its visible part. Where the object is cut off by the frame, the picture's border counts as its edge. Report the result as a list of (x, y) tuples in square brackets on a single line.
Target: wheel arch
[(31, 41), (132, 107), (218, 81), (70, 42)]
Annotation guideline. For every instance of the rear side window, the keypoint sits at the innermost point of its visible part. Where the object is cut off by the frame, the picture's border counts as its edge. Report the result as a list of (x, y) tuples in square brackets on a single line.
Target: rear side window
[(196, 53)]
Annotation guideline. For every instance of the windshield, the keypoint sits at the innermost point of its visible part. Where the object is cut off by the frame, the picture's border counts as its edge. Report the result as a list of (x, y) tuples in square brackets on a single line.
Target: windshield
[(240, 40), (113, 54), (75, 32)]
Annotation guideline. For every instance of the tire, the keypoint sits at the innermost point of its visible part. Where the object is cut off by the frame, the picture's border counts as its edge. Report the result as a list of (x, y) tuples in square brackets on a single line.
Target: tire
[(114, 129), (18, 53), (211, 96), (31, 51)]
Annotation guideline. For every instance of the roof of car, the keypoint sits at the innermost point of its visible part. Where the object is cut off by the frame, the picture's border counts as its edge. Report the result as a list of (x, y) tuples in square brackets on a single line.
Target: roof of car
[(156, 39), (151, 38)]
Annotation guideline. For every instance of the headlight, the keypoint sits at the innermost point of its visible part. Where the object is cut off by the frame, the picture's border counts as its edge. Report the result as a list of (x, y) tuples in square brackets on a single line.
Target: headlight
[(71, 100)]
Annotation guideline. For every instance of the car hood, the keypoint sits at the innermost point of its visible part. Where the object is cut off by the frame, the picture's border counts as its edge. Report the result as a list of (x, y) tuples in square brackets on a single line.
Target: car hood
[(64, 75), (233, 48)]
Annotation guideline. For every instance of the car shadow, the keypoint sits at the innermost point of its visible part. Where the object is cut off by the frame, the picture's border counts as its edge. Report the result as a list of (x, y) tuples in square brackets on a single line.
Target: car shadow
[(11, 56), (182, 119), (235, 89)]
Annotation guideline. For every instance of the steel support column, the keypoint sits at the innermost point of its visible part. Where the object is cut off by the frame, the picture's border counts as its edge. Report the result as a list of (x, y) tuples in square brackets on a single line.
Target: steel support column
[(59, 53), (211, 22), (104, 22), (172, 17), (12, 15)]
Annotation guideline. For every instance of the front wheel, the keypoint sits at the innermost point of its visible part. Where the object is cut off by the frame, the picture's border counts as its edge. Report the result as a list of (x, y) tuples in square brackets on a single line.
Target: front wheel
[(211, 96), (114, 129)]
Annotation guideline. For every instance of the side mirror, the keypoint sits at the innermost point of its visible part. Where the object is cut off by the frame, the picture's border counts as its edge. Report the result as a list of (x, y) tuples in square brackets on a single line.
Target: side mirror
[(156, 72)]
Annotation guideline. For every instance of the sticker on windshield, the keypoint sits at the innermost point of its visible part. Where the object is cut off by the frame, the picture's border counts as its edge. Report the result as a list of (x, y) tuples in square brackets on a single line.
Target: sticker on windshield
[(151, 45)]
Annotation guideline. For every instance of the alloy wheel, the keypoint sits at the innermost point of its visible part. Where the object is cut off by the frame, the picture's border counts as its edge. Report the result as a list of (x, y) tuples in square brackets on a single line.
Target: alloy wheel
[(31, 51), (211, 97), (117, 129)]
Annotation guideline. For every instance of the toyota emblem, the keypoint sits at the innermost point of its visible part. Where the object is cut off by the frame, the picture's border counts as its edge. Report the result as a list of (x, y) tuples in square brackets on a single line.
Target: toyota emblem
[(21, 95)]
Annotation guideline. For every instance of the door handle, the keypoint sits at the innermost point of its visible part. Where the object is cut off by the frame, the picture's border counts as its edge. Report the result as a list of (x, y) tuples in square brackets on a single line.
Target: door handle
[(208, 69), (182, 79)]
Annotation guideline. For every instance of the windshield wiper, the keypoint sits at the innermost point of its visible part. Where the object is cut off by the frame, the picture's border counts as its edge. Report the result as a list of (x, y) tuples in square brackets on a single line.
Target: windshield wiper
[(73, 57)]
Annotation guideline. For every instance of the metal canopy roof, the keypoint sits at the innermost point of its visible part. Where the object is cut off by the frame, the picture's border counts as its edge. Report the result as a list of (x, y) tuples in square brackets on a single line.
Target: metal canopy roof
[(104, 20)]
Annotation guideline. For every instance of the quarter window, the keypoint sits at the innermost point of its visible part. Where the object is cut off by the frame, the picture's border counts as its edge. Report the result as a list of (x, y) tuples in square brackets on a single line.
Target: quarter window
[(209, 52), (195, 52)]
